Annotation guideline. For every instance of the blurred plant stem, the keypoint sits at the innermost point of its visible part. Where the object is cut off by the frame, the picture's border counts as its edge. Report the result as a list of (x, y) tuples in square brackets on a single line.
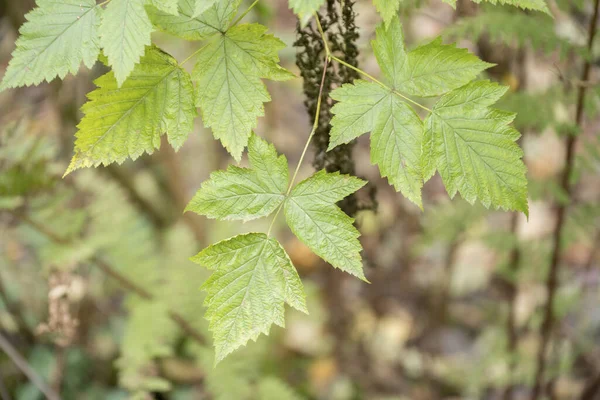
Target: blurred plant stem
[(14, 310), (514, 259), (105, 267), (4, 395), (553, 274), (22, 364)]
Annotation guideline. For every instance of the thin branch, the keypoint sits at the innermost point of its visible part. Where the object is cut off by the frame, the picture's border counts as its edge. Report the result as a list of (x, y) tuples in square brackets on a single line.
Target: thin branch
[(514, 261), (552, 281), (310, 136), (22, 364)]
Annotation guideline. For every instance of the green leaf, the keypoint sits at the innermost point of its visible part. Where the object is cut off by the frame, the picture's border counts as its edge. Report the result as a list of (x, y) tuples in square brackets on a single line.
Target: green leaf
[(202, 5), (57, 37), (230, 91), (387, 8), (396, 141), (128, 121), (536, 5), (396, 137), (429, 70), (253, 277), (305, 9), (473, 147), (167, 6), (124, 33), (271, 388), (245, 193), (451, 2), (189, 24), (396, 130), (320, 224), (356, 110)]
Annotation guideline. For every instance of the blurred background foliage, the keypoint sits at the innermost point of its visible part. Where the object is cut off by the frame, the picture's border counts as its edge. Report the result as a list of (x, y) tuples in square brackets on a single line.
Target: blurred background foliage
[(98, 296)]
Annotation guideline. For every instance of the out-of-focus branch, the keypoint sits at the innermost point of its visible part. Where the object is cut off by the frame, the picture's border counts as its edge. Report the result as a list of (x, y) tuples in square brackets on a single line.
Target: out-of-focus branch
[(158, 218), (552, 281), (176, 186), (22, 364), (16, 314), (105, 267)]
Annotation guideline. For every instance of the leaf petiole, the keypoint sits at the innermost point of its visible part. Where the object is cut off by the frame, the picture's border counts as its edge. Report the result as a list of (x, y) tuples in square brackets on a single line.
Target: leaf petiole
[(312, 133)]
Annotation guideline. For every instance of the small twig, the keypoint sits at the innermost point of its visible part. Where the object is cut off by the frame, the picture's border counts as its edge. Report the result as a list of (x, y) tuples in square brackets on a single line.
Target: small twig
[(22, 364), (552, 281)]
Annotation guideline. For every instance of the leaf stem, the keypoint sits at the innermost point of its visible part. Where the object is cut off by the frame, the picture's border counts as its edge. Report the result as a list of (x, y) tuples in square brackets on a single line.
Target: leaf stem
[(323, 36), (360, 71), (195, 53), (243, 14), (310, 136)]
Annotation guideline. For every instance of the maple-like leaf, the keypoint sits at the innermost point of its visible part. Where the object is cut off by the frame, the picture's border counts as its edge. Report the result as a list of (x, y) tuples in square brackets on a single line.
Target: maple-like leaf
[(305, 9), (535, 5), (193, 21), (387, 8), (124, 33), (312, 214), (230, 90), (122, 122), (245, 193), (253, 277), (474, 148), (57, 37)]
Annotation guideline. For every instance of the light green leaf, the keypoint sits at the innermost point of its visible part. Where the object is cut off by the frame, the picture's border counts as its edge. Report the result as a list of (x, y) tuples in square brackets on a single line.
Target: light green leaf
[(436, 68), (396, 147), (396, 137), (124, 33), (271, 388), (245, 193), (128, 121), (473, 147), (319, 223), (189, 24), (202, 5), (356, 111), (305, 9), (429, 70), (167, 6), (536, 5), (253, 277), (230, 91), (55, 40), (387, 8), (389, 50)]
